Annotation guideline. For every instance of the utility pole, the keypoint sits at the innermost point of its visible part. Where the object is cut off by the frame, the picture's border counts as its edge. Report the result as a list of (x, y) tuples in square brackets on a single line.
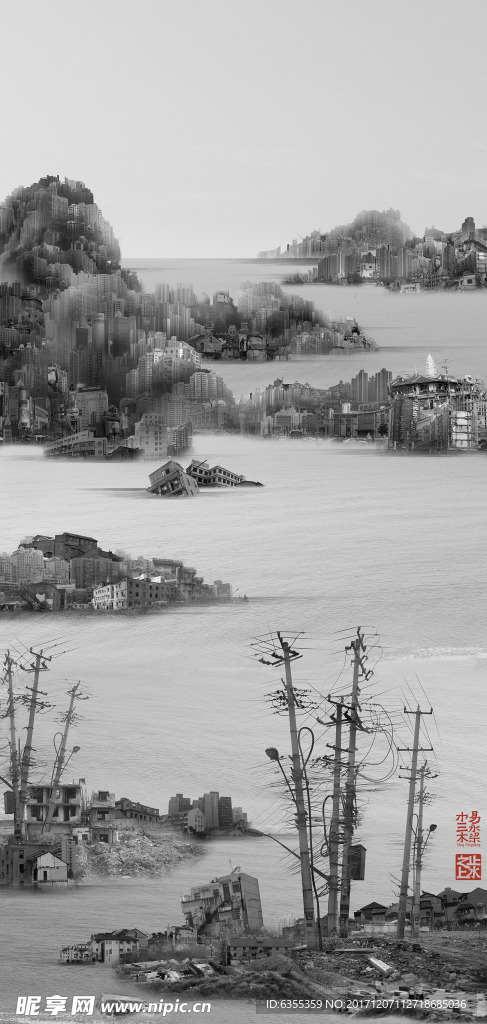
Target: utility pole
[(403, 895), (357, 646), (418, 860), (37, 667), (14, 758), (301, 816), (59, 762), (334, 882)]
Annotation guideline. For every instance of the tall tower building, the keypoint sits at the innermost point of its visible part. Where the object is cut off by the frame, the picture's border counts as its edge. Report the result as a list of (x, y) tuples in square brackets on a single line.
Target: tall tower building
[(210, 809), (468, 229)]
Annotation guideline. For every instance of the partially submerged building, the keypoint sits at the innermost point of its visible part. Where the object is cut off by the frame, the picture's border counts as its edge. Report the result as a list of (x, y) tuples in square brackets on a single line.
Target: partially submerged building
[(229, 905), (437, 411), (213, 476), (170, 480), (87, 444), (33, 863), (105, 947), (109, 946)]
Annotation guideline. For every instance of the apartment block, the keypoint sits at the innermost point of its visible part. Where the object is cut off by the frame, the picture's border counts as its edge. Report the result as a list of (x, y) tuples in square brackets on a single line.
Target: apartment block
[(230, 905), (130, 593)]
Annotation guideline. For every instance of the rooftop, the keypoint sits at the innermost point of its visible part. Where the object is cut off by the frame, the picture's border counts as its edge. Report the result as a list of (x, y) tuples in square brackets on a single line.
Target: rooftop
[(265, 941)]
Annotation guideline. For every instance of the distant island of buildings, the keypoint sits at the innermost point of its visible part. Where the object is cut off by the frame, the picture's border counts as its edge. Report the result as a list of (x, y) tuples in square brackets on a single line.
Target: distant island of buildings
[(206, 814), (379, 247), (71, 572)]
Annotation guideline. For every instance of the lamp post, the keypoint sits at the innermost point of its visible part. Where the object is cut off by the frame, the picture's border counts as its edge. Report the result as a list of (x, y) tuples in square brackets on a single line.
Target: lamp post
[(419, 847), (273, 755), (60, 764)]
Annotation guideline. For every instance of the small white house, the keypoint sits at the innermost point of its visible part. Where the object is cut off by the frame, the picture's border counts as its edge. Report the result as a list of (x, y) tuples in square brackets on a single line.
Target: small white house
[(50, 870)]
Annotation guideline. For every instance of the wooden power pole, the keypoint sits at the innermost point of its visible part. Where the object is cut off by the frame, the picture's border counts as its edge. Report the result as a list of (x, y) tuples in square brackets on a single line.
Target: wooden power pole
[(26, 760), (358, 647), (59, 762), (403, 894), (14, 755), (301, 815), (334, 843)]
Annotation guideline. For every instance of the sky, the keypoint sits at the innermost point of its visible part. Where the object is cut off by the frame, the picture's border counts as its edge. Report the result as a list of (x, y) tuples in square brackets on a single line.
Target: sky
[(218, 128)]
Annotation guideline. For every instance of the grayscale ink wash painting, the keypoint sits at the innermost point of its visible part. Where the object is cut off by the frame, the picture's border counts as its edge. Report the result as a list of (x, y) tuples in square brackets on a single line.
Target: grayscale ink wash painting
[(243, 481)]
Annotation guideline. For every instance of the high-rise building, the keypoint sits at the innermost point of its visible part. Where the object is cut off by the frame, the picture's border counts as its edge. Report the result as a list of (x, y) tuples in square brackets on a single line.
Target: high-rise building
[(91, 403), (3, 401), (151, 435), (383, 259), (28, 564), (449, 257), (225, 816), (210, 809), (468, 229), (378, 387), (7, 571), (360, 388)]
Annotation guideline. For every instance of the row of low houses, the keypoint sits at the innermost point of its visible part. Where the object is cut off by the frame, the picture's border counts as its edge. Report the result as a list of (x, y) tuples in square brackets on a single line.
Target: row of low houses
[(229, 908), (111, 948), (448, 908), (106, 947), (153, 592)]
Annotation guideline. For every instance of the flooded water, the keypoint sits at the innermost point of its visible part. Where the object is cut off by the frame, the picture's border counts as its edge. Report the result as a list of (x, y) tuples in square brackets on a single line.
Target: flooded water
[(338, 536)]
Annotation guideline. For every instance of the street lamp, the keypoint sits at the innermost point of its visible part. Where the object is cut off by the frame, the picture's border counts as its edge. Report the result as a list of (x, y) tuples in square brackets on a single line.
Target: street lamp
[(273, 755), (419, 847)]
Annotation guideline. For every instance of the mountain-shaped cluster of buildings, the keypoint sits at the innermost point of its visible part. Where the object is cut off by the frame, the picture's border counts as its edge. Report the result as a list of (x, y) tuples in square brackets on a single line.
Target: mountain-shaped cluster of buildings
[(72, 319)]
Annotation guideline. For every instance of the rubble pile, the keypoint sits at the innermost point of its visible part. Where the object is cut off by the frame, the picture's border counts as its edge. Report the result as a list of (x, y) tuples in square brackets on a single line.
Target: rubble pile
[(138, 853), (408, 961), (440, 967), (437, 968), (269, 978)]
